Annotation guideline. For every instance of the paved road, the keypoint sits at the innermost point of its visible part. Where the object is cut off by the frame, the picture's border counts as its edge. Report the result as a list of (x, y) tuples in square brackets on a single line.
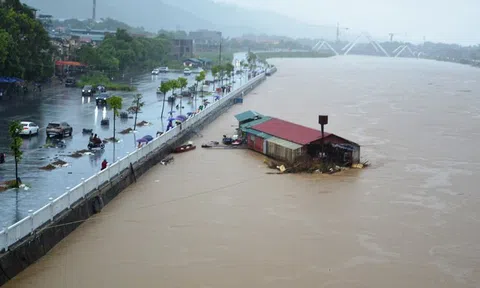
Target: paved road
[(66, 104)]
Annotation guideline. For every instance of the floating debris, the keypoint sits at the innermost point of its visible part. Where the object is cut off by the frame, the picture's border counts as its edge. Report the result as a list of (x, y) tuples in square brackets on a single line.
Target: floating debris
[(167, 160), (126, 131), (143, 123), (80, 153), (59, 162), (309, 165), (48, 167), (111, 139)]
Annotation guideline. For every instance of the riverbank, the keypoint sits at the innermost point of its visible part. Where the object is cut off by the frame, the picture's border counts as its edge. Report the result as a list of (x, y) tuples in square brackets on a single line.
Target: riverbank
[(293, 54)]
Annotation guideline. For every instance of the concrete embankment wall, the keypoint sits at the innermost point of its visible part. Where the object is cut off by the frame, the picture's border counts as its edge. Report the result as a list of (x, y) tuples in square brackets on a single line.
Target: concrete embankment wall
[(33, 247)]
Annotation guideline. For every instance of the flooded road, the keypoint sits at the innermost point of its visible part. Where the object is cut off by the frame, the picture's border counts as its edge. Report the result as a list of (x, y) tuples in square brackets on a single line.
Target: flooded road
[(66, 104), (214, 218)]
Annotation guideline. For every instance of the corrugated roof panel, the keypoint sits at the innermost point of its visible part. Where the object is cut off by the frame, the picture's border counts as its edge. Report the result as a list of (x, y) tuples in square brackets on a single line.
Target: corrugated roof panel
[(247, 115), (258, 133), (255, 122), (284, 143), (289, 131)]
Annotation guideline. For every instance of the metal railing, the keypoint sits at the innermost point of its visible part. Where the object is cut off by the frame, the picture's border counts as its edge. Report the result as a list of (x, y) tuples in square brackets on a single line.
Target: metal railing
[(16, 232)]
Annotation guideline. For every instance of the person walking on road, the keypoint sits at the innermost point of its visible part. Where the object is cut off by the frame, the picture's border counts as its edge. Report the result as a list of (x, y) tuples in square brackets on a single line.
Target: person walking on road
[(104, 164)]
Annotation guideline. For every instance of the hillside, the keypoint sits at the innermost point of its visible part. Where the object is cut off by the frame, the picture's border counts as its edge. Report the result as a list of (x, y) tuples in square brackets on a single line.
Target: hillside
[(188, 15)]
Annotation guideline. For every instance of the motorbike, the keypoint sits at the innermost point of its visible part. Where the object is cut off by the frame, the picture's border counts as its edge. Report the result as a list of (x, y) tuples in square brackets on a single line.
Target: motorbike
[(92, 145)]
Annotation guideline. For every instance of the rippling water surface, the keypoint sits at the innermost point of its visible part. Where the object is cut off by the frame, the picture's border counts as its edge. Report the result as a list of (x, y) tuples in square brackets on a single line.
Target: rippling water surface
[(214, 218)]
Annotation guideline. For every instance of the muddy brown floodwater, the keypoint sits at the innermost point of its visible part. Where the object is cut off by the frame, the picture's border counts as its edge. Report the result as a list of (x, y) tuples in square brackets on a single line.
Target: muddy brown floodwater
[(213, 218)]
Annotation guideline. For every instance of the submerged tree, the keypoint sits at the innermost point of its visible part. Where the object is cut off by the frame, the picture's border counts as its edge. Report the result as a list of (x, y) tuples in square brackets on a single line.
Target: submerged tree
[(14, 132), (164, 88), (115, 102), (137, 106)]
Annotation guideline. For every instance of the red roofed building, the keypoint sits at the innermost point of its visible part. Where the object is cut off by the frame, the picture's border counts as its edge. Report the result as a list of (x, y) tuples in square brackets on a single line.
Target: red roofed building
[(288, 141), (290, 131)]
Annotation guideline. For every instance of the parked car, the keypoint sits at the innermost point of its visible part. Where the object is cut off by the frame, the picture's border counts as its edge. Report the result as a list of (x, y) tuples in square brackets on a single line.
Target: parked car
[(101, 99), (186, 93), (29, 128), (155, 71), (59, 129), (70, 82), (87, 90), (163, 69)]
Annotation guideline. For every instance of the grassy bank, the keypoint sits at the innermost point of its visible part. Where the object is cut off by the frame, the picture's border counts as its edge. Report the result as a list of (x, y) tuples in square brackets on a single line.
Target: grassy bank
[(292, 54), (100, 79)]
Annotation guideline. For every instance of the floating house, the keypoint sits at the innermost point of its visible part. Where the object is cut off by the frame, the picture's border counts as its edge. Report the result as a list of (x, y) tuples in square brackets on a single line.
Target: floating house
[(288, 141)]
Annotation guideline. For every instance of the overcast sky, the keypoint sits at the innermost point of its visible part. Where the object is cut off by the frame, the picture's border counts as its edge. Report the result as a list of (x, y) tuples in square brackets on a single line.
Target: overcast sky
[(438, 20)]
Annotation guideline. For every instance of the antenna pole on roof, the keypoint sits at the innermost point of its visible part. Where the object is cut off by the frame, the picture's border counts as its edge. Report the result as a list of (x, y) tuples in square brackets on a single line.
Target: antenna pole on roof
[(322, 120)]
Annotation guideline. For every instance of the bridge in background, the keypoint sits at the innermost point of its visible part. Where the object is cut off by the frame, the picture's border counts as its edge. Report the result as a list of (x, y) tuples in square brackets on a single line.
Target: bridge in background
[(404, 50)]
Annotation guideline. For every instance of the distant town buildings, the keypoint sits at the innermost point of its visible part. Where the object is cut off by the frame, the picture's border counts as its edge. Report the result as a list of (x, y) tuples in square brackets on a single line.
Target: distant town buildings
[(205, 40), (181, 49)]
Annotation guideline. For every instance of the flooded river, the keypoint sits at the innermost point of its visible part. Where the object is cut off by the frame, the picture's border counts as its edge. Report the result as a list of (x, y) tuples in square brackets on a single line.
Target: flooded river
[(214, 218)]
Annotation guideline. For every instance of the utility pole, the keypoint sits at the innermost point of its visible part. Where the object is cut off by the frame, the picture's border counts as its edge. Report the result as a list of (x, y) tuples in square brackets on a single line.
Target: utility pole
[(220, 54), (94, 8)]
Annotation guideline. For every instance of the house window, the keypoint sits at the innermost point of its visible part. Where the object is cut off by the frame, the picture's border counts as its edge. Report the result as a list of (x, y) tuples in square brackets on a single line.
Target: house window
[(252, 137)]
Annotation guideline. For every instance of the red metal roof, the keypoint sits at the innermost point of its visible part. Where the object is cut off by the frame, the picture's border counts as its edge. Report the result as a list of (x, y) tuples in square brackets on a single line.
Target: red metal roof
[(69, 63), (289, 131)]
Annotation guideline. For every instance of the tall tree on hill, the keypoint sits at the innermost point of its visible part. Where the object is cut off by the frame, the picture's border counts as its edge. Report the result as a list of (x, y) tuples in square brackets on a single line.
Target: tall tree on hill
[(28, 49)]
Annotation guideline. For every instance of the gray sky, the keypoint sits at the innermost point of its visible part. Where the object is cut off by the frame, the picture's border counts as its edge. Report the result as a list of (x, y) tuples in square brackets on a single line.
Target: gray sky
[(438, 20)]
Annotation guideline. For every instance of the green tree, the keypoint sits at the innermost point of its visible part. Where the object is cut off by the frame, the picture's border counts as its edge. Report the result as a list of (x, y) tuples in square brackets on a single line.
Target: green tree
[(174, 85), (229, 70), (215, 70), (121, 52), (199, 78), (137, 105), (182, 83), (28, 46), (115, 103), (164, 88), (16, 143)]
